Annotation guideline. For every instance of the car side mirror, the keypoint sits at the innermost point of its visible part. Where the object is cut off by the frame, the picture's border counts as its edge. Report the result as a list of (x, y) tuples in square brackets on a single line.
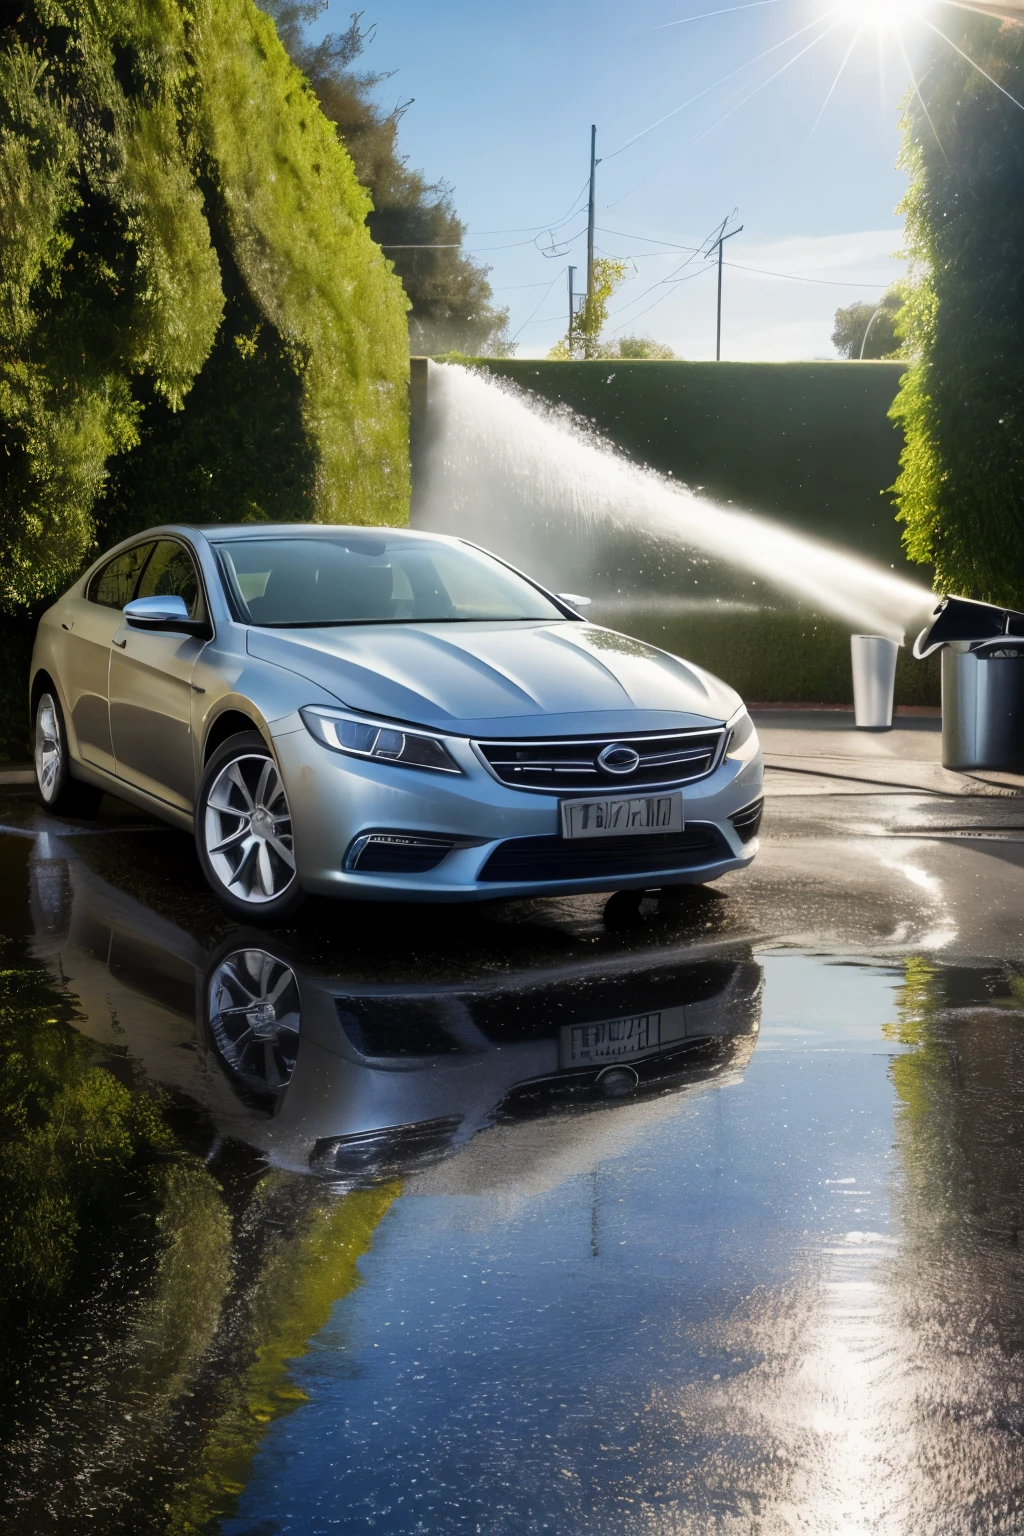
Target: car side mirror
[(574, 600), (164, 613)]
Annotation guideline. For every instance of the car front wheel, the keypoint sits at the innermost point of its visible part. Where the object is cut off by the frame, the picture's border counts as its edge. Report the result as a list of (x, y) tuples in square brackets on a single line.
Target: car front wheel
[(243, 828)]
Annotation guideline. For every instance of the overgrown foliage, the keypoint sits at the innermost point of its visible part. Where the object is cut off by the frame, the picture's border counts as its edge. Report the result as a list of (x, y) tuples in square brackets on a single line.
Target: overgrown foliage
[(961, 490), (638, 349), (583, 339), (175, 207), (415, 220), (865, 331), (78, 1148)]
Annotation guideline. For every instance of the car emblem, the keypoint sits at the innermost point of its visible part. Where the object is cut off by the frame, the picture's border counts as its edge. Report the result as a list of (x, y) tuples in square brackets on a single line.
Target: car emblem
[(618, 759)]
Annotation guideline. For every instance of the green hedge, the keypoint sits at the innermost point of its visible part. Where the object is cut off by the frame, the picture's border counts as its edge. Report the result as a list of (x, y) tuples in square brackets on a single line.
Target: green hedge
[(195, 323), (774, 656), (961, 491), (807, 443)]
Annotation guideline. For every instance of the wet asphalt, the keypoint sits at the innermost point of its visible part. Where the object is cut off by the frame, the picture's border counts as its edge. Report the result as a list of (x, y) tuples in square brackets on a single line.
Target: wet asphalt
[(549, 1216)]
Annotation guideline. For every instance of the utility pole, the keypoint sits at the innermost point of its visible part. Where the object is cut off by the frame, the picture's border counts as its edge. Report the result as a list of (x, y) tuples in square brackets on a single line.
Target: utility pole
[(594, 163), (718, 245), (572, 303)]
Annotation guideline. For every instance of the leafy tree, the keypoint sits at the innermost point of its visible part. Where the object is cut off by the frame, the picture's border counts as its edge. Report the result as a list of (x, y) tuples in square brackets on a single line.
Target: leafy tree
[(961, 405), (869, 330), (583, 339), (174, 207), (451, 299), (637, 348)]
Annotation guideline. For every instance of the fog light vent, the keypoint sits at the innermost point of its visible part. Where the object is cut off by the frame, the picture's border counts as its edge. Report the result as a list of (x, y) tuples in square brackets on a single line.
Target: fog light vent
[(369, 1156), (748, 821), (397, 853)]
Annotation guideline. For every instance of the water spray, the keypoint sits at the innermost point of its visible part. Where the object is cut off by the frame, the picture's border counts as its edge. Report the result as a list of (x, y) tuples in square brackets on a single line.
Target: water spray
[(498, 456)]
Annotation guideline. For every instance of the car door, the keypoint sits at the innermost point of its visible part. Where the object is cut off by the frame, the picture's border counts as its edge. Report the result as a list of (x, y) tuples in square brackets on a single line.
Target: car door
[(151, 686), (92, 622)]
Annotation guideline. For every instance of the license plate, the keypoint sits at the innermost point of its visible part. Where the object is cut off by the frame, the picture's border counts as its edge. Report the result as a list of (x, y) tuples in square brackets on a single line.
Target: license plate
[(598, 1045), (622, 817)]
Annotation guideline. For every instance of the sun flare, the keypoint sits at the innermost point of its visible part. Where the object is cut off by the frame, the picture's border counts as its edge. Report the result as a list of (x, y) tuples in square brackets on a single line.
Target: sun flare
[(882, 15)]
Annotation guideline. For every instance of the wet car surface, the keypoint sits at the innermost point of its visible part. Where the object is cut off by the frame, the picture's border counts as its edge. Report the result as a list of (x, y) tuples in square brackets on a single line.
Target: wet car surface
[(702, 1216)]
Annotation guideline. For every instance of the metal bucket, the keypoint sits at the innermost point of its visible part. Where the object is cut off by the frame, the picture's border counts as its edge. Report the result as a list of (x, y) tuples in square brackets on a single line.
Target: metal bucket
[(983, 704), (874, 680)]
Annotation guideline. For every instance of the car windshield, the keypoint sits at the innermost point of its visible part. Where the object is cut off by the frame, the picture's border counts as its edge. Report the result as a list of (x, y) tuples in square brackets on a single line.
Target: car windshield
[(372, 579)]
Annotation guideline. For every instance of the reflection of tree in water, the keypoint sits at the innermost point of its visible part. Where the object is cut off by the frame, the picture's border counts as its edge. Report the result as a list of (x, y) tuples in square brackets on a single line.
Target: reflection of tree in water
[(153, 1299), (961, 1086), (960, 1277)]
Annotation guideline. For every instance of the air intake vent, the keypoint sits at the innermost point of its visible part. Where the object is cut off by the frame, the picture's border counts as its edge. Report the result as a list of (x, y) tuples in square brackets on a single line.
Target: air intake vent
[(748, 821), (678, 757), (370, 1156), (530, 859)]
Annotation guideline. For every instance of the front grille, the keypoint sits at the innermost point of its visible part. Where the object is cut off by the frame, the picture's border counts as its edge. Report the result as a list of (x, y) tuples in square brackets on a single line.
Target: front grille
[(677, 757), (541, 1011), (552, 858), (393, 1027), (748, 821)]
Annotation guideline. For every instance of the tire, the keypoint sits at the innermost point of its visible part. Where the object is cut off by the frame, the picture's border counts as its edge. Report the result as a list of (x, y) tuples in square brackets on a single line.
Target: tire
[(244, 832), (57, 790), (253, 1016)]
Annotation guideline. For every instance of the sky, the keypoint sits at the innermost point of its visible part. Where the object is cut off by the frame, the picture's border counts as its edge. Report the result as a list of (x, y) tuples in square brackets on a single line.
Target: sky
[(502, 99)]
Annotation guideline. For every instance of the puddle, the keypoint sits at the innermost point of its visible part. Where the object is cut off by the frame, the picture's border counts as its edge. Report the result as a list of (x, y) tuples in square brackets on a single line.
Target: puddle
[(524, 1225)]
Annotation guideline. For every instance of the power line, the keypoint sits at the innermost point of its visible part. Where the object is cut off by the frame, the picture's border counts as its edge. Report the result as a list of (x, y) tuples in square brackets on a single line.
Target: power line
[(543, 298), (707, 91), (635, 256), (796, 277), (508, 287), (765, 83), (481, 250), (663, 281), (544, 320), (692, 278), (648, 239), (524, 229), (751, 5)]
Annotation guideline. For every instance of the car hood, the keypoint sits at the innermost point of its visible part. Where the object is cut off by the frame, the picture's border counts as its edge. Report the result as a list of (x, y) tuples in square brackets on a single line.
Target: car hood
[(499, 678)]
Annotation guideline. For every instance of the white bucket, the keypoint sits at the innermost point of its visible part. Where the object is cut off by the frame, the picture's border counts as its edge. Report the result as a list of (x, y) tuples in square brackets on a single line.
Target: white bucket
[(874, 680)]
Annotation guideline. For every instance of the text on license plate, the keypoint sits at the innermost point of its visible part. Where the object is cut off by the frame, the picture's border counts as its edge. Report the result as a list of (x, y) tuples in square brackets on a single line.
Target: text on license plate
[(609, 817), (595, 1045)]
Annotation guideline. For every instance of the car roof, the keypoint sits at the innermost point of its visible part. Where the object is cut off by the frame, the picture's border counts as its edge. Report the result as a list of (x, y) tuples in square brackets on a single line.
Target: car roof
[(225, 532)]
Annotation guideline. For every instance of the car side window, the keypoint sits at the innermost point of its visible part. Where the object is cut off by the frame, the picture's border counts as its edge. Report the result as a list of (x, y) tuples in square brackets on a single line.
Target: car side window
[(172, 573), (114, 583)]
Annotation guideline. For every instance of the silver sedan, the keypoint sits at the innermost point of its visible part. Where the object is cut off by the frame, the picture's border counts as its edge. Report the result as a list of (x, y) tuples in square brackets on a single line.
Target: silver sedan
[(385, 715)]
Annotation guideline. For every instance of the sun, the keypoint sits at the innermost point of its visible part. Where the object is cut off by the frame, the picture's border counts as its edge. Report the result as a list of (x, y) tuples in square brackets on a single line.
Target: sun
[(882, 15)]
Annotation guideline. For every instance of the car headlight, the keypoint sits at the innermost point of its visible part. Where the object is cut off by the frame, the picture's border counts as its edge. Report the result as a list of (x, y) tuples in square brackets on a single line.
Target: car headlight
[(741, 741), (358, 737)]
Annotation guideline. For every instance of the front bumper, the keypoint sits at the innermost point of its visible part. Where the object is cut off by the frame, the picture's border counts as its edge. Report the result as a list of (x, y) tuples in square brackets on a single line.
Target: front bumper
[(336, 799)]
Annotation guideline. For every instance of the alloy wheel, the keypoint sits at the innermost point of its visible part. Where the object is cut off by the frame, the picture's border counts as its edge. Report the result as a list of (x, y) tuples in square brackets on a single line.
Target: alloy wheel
[(248, 830), (253, 1012), (48, 750)]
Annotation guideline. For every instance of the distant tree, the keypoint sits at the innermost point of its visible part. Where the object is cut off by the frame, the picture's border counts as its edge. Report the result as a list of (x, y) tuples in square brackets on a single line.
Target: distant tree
[(452, 301), (875, 322), (584, 339), (961, 405), (637, 347)]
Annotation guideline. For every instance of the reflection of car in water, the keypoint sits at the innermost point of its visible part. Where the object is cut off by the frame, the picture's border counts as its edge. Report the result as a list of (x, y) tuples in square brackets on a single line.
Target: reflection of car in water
[(354, 1079)]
